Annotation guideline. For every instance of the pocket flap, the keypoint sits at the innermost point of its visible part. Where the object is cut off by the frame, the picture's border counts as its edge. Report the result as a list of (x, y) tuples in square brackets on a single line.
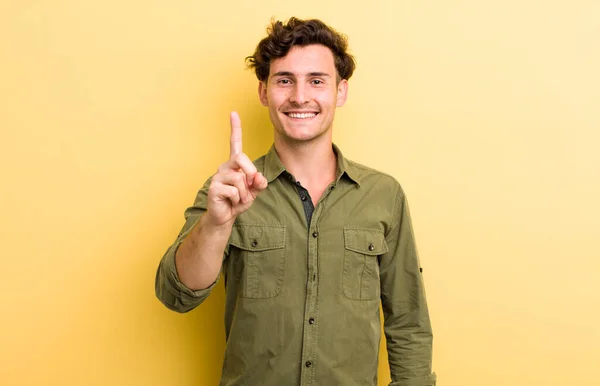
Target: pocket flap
[(257, 237), (365, 241)]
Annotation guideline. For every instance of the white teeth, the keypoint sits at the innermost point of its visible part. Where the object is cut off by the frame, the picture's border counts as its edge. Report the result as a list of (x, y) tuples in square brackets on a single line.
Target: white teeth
[(301, 115)]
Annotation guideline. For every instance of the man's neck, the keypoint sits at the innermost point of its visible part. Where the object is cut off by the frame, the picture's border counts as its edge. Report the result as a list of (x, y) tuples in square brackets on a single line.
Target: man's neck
[(312, 163)]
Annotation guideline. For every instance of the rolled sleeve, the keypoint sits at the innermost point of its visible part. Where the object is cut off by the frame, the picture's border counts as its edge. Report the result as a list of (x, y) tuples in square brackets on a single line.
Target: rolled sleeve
[(169, 289), (427, 380), (407, 325)]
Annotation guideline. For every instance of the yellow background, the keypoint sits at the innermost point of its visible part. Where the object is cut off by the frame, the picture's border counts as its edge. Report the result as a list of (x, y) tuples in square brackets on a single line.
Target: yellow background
[(113, 113)]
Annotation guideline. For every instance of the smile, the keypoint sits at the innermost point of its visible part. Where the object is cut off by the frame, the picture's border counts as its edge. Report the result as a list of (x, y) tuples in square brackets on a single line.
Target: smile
[(301, 115)]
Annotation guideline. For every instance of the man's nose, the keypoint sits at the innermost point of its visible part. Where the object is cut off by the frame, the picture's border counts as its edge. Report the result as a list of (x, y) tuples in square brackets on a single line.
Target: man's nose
[(298, 94)]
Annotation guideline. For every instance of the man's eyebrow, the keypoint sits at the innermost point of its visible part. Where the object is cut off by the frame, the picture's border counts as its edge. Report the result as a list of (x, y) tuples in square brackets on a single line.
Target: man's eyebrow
[(283, 73), (288, 73), (321, 74)]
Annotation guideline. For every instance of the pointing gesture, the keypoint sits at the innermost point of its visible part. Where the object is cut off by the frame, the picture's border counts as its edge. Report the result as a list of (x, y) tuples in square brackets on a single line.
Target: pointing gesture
[(236, 135), (237, 182)]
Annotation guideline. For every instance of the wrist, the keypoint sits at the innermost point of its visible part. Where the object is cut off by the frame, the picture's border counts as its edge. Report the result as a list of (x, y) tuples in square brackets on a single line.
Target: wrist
[(209, 225)]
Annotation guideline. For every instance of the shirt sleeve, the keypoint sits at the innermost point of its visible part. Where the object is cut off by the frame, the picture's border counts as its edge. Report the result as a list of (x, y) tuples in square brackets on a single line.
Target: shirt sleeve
[(407, 325), (169, 289)]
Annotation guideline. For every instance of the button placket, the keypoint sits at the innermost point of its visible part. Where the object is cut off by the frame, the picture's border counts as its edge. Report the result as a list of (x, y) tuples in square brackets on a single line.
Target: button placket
[(311, 309), (311, 335)]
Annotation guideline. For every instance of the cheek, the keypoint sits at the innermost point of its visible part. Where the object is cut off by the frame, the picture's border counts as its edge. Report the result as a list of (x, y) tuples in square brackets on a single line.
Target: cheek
[(278, 94), (325, 102), (328, 98)]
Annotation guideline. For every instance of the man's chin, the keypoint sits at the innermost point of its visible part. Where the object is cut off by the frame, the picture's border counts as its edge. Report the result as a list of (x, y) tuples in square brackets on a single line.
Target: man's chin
[(296, 136)]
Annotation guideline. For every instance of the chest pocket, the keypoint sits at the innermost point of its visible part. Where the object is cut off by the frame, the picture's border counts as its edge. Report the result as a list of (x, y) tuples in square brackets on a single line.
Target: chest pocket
[(258, 252), (361, 266)]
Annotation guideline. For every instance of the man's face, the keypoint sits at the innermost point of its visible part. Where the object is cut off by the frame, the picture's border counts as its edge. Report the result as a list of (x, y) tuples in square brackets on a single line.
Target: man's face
[(302, 93)]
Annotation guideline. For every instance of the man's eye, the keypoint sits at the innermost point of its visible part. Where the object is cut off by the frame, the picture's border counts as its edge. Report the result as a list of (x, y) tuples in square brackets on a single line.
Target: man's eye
[(317, 81), (284, 81)]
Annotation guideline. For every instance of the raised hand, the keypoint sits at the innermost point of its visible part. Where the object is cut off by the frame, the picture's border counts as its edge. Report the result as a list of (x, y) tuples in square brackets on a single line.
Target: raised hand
[(236, 184)]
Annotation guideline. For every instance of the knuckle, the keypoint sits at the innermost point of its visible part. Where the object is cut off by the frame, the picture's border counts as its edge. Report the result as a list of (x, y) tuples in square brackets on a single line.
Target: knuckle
[(214, 186), (240, 177)]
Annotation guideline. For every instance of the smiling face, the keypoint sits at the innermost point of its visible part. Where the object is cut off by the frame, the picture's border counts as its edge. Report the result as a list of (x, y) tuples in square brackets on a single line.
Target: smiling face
[(302, 93)]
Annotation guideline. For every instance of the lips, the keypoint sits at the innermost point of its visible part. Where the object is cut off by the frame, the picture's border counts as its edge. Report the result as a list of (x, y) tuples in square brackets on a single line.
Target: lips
[(301, 115)]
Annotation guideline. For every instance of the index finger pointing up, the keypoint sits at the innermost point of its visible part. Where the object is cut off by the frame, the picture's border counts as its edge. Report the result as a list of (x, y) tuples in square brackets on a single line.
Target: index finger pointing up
[(236, 134)]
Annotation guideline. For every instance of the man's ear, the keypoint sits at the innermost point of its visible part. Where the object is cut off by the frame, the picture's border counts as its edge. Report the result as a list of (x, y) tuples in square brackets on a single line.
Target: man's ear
[(342, 92), (262, 93)]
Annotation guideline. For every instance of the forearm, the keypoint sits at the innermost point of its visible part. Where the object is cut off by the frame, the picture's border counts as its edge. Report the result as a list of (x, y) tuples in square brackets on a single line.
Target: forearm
[(199, 257), (409, 346), (190, 268), (407, 324)]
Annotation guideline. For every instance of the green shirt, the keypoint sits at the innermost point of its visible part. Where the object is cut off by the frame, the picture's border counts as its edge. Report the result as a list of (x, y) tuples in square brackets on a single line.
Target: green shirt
[(302, 298)]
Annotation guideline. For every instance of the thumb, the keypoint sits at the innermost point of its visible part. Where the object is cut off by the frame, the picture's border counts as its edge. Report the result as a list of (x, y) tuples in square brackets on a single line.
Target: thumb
[(259, 183)]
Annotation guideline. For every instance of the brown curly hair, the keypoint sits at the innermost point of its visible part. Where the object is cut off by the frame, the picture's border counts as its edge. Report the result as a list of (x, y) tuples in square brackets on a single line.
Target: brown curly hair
[(282, 37)]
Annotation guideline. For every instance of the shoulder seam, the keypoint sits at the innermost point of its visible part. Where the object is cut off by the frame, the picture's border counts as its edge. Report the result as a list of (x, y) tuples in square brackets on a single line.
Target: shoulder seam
[(375, 171)]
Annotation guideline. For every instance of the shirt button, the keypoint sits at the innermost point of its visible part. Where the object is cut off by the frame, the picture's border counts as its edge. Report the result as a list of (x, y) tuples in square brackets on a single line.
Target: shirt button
[(303, 197), (254, 243), (311, 321), (308, 363), (371, 247), (315, 234)]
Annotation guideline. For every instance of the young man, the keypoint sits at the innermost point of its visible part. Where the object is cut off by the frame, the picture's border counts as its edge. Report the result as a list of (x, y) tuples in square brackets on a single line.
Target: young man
[(309, 242)]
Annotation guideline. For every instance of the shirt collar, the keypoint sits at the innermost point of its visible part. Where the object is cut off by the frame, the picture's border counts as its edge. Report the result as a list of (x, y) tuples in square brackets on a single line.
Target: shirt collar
[(273, 166)]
